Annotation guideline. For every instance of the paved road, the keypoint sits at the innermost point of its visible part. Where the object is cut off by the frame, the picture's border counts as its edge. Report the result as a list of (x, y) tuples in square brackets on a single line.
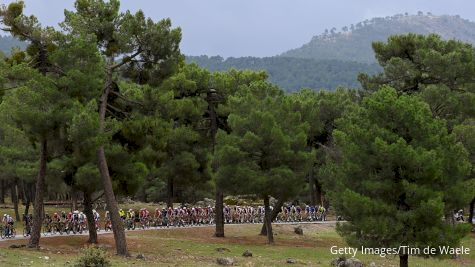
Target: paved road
[(85, 233)]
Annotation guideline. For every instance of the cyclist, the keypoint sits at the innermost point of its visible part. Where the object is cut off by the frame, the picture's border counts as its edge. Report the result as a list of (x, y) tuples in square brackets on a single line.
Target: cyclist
[(322, 212), (28, 223), (48, 223), (75, 216), (312, 213), (227, 214), (9, 226), (157, 217), (96, 217), (136, 217), (298, 213), (122, 214), (68, 222), (143, 217), (56, 218), (82, 220), (165, 221), (108, 223), (130, 216), (5, 223), (63, 217)]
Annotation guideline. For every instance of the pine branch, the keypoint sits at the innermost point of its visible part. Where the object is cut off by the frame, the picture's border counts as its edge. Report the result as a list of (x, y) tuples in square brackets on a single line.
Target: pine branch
[(126, 60), (127, 100)]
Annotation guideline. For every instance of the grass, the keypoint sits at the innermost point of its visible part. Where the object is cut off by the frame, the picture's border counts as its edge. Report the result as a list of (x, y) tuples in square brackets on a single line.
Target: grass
[(197, 247)]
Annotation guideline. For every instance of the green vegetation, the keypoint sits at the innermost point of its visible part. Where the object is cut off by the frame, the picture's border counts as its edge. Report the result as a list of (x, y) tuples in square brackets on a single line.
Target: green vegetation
[(397, 168), (265, 153), (92, 256), (334, 58), (440, 73), (108, 107), (292, 74)]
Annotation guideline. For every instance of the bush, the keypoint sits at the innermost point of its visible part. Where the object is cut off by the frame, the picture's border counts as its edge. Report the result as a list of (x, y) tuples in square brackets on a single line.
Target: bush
[(93, 257)]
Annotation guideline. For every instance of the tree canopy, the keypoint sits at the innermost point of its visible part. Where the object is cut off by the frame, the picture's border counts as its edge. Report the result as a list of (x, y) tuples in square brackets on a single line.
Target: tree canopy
[(399, 172)]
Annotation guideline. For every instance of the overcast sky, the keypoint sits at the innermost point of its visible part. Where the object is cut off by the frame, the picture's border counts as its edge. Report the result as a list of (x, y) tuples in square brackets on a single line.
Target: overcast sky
[(258, 27)]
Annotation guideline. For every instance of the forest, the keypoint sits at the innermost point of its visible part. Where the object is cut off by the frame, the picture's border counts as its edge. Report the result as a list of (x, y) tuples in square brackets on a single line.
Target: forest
[(292, 74), (107, 106)]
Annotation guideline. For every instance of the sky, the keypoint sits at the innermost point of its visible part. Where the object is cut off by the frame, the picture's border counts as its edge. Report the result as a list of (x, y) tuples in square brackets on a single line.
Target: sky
[(235, 28)]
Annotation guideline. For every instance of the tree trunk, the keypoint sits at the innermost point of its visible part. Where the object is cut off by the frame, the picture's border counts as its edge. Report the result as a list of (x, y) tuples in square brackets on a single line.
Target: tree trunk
[(403, 260), (90, 219), (312, 188), (40, 188), (318, 192), (471, 211), (449, 218), (27, 193), (23, 189), (219, 214), (27, 206), (32, 187), (275, 212), (14, 194), (170, 192), (74, 200), (19, 190), (117, 226), (142, 195), (2, 192), (268, 220)]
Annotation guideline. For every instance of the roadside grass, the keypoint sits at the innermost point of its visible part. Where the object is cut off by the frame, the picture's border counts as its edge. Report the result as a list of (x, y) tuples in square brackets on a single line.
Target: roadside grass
[(197, 247)]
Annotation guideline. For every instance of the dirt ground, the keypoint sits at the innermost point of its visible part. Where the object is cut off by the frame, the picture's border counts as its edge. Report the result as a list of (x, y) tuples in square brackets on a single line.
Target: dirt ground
[(197, 247)]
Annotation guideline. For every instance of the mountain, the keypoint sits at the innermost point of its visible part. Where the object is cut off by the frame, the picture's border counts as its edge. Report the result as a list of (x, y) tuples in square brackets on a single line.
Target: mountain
[(333, 58), (353, 43), (294, 73), (8, 42)]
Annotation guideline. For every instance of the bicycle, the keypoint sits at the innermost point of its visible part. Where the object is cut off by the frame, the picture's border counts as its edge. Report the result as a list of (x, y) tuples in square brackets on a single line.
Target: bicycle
[(60, 227), (130, 224), (7, 231), (108, 226), (67, 227), (46, 228), (27, 229)]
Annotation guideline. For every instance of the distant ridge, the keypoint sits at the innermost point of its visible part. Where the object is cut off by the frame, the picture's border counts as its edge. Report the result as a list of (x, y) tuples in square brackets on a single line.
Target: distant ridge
[(333, 58), (8, 42), (293, 74), (353, 43)]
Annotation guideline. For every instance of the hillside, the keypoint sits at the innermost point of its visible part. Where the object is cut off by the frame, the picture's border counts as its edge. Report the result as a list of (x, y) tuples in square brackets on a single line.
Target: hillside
[(333, 58), (294, 73), (8, 42), (353, 43)]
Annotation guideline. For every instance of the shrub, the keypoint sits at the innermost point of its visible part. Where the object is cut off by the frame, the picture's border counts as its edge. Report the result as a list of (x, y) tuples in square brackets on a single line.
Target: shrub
[(92, 257)]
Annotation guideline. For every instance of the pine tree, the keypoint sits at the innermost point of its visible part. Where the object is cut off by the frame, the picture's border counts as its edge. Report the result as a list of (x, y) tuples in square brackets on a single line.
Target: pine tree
[(148, 51), (397, 173), (265, 152), (320, 110), (439, 71)]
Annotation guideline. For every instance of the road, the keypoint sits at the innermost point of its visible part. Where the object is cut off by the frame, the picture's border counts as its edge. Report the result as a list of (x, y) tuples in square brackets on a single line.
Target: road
[(85, 233)]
